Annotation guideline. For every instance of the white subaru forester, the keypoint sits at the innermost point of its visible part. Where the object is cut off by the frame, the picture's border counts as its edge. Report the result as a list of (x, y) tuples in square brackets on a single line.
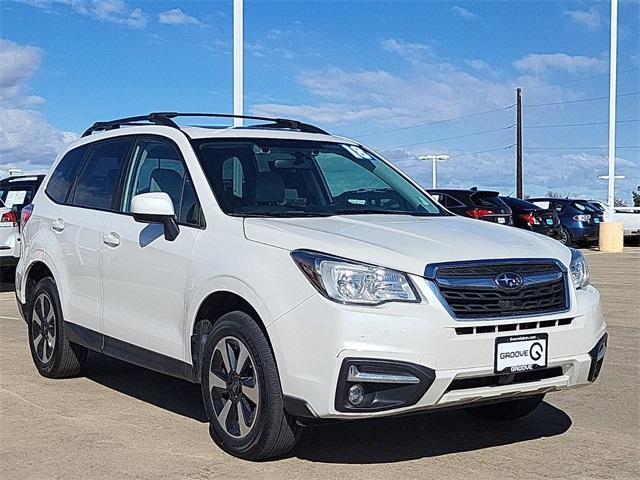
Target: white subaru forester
[(297, 276)]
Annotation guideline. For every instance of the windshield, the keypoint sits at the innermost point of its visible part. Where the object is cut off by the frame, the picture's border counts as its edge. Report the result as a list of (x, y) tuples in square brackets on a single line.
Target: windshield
[(275, 177)]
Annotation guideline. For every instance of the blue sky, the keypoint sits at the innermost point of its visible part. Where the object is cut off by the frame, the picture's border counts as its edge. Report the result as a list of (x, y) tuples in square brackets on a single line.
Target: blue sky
[(361, 69)]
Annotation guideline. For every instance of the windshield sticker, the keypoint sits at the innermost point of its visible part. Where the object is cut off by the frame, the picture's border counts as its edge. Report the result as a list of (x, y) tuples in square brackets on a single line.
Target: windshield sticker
[(357, 152)]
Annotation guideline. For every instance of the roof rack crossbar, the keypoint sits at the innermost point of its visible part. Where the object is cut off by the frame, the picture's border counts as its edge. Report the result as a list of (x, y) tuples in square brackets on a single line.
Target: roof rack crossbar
[(165, 118)]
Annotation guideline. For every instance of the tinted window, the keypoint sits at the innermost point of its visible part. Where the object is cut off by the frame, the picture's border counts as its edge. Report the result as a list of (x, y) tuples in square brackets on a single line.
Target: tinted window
[(449, 201), (158, 167), (97, 183), (63, 175)]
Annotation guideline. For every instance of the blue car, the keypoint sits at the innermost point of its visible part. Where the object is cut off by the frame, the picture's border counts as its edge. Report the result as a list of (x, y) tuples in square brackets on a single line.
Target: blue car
[(579, 221)]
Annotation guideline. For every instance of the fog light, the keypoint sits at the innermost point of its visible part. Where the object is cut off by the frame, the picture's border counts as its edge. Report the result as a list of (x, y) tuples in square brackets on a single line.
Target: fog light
[(356, 395)]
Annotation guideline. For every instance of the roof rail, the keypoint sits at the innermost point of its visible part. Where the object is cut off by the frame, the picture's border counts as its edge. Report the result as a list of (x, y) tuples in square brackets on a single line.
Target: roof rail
[(165, 118)]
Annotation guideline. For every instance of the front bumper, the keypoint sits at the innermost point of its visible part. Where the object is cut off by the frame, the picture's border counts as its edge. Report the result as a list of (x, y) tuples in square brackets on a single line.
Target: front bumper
[(313, 341)]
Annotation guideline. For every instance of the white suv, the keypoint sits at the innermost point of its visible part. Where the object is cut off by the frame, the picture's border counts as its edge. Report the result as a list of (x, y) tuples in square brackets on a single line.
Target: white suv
[(296, 276)]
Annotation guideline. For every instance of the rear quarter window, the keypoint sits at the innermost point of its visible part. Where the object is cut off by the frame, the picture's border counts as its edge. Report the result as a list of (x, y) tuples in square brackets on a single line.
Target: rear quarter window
[(64, 174), (97, 183)]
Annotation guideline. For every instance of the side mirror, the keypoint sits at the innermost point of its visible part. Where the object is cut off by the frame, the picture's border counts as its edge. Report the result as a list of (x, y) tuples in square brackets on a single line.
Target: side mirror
[(156, 207)]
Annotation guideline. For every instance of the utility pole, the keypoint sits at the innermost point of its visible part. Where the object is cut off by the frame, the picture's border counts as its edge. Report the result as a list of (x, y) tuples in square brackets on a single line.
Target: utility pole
[(238, 51), (519, 193)]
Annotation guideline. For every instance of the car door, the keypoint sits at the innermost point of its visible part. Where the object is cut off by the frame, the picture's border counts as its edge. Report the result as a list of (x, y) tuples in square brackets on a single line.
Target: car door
[(144, 275), (76, 239)]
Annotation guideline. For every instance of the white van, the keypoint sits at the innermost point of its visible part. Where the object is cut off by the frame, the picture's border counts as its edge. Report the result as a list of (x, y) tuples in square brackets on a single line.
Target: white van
[(296, 276)]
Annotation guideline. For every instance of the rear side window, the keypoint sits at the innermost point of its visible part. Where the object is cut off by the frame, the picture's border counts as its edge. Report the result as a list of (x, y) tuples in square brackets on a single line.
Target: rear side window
[(98, 180), (64, 173)]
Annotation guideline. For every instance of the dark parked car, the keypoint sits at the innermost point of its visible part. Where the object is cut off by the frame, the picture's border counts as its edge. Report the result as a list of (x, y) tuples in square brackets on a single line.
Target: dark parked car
[(529, 216), (580, 222), (478, 204)]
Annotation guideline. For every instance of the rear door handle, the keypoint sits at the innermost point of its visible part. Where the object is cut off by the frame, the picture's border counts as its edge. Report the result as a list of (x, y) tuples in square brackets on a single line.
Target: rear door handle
[(57, 225), (111, 239)]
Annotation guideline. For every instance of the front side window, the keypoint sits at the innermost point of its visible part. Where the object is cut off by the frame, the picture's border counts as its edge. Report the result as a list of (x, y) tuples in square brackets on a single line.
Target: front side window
[(274, 177), (158, 167), (97, 183), (62, 177)]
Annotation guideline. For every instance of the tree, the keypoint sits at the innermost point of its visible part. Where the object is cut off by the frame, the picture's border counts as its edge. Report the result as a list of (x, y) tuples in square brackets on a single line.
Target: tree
[(636, 198), (618, 202), (552, 194)]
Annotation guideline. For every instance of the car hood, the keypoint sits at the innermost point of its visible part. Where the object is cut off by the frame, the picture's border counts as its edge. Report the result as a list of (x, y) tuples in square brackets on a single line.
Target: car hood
[(404, 242)]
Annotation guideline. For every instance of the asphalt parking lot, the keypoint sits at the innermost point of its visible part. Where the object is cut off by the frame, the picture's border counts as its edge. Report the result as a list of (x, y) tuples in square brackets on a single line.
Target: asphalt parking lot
[(120, 421)]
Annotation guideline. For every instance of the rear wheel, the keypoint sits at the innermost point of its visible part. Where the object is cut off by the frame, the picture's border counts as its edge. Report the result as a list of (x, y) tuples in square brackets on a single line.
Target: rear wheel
[(241, 391), (509, 410), (565, 237), (52, 354)]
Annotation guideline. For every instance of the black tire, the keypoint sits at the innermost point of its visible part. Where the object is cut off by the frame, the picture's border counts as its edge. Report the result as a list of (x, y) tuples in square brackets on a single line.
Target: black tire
[(53, 355), (509, 410), (272, 432), (564, 237)]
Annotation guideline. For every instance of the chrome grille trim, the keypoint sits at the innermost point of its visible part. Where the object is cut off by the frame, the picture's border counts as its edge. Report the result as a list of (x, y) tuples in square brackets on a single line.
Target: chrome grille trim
[(469, 292)]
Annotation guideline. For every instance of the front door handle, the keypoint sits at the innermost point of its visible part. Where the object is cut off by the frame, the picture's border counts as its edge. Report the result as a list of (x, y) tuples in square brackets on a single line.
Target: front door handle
[(111, 239), (57, 225)]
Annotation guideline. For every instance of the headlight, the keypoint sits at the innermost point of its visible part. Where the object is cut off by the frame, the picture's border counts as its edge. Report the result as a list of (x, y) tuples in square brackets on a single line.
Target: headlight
[(345, 281), (579, 269)]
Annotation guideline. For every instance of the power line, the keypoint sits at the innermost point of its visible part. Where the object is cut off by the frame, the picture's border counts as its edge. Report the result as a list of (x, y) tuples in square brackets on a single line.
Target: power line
[(448, 138), (579, 124), (606, 97), (483, 151), (493, 95), (380, 132), (581, 148)]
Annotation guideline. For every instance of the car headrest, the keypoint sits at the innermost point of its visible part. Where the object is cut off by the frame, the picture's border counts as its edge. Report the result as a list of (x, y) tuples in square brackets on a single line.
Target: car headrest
[(269, 188), (168, 181)]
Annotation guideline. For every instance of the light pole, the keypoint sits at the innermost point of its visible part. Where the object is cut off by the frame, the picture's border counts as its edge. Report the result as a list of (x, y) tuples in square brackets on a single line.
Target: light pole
[(238, 52), (611, 177), (434, 159)]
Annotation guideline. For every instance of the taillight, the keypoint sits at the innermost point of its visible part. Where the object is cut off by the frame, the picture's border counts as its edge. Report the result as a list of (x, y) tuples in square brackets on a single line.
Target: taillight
[(479, 213), (582, 218), (27, 210), (529, 218), (9, 216)]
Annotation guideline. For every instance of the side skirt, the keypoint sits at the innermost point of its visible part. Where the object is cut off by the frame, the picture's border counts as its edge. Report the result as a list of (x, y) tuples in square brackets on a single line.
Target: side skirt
[(128, 352)]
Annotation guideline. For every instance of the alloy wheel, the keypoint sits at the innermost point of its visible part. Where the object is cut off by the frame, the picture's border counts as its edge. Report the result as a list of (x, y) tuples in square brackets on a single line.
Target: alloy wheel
[(43, 320), (564, 237), (234, 387)]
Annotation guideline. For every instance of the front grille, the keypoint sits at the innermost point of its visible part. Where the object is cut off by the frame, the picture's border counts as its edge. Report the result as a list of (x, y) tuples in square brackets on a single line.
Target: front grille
[(470, 290), (513, 327)]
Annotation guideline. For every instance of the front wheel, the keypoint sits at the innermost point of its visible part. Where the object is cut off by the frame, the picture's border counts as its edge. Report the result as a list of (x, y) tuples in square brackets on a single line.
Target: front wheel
[(242, 393), (509, 410)]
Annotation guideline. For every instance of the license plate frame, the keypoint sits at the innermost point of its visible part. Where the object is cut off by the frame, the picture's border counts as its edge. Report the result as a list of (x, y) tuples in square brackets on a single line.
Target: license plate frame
[(536, 346)]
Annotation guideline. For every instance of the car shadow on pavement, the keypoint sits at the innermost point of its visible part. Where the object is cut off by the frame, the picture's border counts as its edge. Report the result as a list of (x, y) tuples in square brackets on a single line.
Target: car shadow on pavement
[(366, 441), (425, 435), (169, 393)]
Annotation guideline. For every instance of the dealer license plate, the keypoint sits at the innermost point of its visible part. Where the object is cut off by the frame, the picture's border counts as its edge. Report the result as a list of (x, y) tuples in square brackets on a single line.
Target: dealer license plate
[(501, 220), (521, 353), (549, 221)]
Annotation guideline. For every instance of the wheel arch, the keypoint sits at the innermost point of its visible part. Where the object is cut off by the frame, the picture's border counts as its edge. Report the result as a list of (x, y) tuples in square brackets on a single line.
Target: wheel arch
[(210, 309)]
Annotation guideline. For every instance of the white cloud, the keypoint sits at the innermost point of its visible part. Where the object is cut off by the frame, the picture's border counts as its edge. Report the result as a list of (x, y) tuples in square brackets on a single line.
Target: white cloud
[(27, 140), (481, 66), (432, 90), (113, 11), (19, 62), (542, 63), (176, 16), (411, 52), (591, 19), (464, 13)]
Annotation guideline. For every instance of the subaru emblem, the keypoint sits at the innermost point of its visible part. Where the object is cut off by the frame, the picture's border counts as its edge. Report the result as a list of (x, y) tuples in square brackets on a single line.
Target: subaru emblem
[(509, 281)]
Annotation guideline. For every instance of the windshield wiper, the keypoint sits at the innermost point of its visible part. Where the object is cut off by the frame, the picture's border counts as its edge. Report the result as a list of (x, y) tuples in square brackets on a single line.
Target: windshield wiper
[(373, 211), (285, 214)]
